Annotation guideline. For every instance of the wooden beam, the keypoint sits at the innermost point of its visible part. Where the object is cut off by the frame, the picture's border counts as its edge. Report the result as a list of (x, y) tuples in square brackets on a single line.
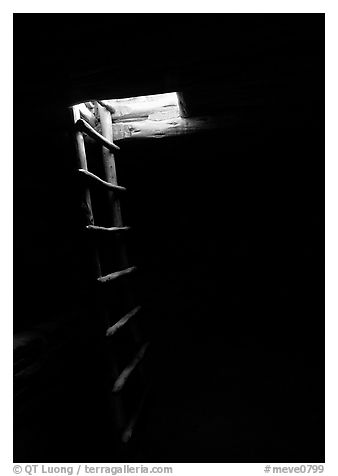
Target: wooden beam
[(83, 126), (127, 371), (87, 115), (109, 168), (117, 274), (85, 193), (95, 180), (107, 231), (182, 105), (122, 322), (150, 129), (115, 218), (107, 105), (82, 164), (129, 430), (143, 107)]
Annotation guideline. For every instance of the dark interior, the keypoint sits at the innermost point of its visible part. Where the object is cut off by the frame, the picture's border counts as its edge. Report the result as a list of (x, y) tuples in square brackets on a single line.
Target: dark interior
[(228, 235)]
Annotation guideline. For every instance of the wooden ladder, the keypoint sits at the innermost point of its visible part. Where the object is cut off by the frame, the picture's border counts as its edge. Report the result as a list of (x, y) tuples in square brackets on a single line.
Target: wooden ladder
[(126, 345)]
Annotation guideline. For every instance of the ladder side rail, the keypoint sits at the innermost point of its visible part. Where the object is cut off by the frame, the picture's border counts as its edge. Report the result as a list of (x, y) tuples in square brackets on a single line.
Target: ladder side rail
[(86, 203)]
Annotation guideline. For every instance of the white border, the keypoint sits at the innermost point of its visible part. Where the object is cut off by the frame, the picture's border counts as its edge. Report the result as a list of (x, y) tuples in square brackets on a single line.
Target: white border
[(286, 6)]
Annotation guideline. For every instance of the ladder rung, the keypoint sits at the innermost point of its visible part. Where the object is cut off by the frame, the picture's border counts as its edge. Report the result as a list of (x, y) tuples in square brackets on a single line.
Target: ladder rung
[(122, 322), (129, 430), (83, 126), (126, 373), (117, 274), (95, 180), (104, 230)]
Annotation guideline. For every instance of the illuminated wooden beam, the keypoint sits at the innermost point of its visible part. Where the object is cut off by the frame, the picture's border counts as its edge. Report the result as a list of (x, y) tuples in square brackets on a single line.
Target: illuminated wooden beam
[(122, 322), (126, 373), (83, 126), (117, 274), (93, 179), (157, 129), (105, 230)]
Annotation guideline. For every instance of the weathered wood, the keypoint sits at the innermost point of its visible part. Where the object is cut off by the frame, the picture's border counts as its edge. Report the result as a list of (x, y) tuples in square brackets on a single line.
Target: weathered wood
[(127, 372), (144, 107), (129, 430), (107, 105), (82, 164), (86, 204), (87, 115), (95, 180), (182, 105), (150, 129), (83, 126), (115, 218), (117, 274), (107, 231), (109, 166), (122, 322)]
